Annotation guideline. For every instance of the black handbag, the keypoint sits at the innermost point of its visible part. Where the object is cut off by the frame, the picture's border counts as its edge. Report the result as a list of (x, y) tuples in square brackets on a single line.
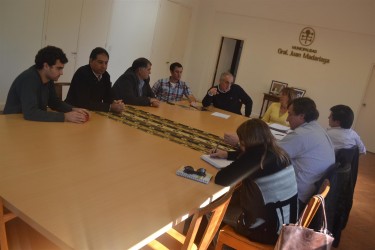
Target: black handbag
[(294, 236)]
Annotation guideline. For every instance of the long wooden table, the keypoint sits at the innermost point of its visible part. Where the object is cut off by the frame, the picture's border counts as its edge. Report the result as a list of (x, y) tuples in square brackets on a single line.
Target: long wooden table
[(102, 184)]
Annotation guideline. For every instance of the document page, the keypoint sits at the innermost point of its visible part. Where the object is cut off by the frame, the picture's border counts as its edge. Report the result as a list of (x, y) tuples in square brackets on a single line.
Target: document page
[(221, 115)]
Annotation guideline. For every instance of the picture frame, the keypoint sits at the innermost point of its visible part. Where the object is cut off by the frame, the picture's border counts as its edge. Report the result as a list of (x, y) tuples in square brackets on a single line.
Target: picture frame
[(299, 92), (276, 87)]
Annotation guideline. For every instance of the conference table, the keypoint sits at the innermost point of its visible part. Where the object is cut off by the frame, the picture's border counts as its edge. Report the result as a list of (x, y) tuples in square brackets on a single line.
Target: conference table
[(103, 184)]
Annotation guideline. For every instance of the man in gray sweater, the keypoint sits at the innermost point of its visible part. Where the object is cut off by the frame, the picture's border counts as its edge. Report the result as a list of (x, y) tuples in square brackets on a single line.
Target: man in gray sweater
[(33, 91)]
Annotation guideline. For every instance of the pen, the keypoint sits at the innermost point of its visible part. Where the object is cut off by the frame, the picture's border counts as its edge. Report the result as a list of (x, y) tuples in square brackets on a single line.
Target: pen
[(217, 145)]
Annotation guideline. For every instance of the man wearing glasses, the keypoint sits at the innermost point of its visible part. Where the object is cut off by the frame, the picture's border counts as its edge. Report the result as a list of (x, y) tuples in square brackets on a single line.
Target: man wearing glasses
[(228, 96)]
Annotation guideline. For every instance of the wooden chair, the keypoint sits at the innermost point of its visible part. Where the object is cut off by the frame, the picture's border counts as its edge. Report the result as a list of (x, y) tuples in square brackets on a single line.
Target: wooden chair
[(314, 204), (4, 217), (175, 240), (229, 237), (59, 87)]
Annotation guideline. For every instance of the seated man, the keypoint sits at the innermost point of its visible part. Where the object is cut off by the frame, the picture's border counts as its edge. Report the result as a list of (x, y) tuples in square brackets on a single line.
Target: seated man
[(91, 85), (341, 134), (33, 90), (133, 87), (172, 89), (228, 96), (308, 146)]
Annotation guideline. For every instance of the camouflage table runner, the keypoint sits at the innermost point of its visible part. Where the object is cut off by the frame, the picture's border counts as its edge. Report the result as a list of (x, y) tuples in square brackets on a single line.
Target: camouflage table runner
[(191, 137)]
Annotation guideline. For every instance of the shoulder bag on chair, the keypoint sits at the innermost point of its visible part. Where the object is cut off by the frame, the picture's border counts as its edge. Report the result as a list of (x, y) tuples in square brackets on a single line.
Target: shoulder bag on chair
[(294, 236)]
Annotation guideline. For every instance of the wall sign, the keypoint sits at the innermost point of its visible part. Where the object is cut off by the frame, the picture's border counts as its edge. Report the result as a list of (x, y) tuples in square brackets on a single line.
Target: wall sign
[(306, 38)]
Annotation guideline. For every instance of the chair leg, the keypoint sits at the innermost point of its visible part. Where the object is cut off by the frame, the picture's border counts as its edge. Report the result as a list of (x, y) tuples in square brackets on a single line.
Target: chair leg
[(219, 245), (3, 235)]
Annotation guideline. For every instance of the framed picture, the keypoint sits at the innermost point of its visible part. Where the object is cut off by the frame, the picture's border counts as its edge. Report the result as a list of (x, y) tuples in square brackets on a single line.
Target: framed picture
[(276, 87), (299, 92)]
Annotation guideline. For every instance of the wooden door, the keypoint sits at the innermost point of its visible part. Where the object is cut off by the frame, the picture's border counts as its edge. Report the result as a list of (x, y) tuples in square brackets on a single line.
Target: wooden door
[(170, 38), (62, 26), (366, 119)]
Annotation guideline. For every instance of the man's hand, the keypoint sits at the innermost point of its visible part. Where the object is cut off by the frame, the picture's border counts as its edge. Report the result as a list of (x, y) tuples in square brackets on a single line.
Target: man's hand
[(231, 138), (154, 102), (117, 106), (78, 115), (194, 104), (213, 91)]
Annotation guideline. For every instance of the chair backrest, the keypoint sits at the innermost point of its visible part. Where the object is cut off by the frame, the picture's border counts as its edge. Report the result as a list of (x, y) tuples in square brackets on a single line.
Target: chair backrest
[(279, 192), (59, 87), (314, 204), (217, 209), (349, 155)]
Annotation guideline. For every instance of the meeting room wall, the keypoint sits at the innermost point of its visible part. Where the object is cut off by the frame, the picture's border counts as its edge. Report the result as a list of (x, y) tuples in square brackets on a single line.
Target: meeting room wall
[(132, 30), (344, 34), (21, 28), (129, 36)]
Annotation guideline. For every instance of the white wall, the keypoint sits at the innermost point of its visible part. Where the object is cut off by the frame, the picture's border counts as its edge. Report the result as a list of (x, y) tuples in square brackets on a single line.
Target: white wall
[(21, 28), (131, 33), (345, 34), (345, 37)]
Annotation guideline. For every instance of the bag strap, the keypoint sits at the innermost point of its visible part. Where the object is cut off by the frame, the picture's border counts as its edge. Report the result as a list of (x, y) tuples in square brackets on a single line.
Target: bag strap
[(323, 229)]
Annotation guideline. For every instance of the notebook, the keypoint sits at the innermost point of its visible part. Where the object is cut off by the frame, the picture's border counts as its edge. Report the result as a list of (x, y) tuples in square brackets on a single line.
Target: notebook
[(195, 177), (216, 162)]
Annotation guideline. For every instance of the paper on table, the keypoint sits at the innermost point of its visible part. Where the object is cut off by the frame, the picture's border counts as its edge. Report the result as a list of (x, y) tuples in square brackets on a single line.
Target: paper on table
[(216, 162), (279, 127), (221, 115), (278, 135)]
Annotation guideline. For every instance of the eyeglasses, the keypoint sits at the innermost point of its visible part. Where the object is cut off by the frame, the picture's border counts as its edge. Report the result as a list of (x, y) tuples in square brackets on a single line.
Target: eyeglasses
[(191, 170)]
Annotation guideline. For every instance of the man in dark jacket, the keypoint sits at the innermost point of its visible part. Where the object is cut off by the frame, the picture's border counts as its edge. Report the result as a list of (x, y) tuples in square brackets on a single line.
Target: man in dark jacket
[(91, 85), (133, 87), (228, 96)]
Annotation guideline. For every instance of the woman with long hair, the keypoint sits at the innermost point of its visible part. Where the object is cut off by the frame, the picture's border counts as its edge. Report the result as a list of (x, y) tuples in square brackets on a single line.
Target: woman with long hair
[(258, 158)]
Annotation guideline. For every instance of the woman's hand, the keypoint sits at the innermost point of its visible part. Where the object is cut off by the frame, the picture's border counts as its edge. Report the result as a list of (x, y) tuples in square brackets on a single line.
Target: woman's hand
[(231, 138), (217, 153)]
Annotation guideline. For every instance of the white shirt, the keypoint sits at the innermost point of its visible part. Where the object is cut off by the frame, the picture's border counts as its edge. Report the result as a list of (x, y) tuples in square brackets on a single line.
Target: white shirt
[(345, 138)]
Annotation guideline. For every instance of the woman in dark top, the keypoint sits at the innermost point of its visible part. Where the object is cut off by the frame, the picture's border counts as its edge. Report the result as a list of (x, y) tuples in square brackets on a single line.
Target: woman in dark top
[(259, 156)]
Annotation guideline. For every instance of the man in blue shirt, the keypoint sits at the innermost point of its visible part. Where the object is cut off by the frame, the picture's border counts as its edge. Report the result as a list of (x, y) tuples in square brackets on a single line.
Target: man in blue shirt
[(308, 146)]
